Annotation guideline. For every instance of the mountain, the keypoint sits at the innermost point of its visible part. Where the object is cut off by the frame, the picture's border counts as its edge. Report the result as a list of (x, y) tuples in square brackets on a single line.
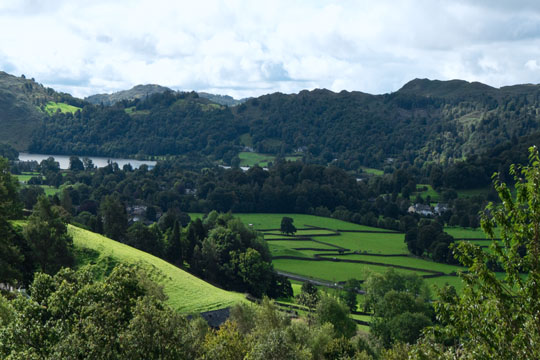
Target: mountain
[(143, 91), (19, 112), (137, 92), (222, 99), (424, 121), (23, 105), (447, 89)]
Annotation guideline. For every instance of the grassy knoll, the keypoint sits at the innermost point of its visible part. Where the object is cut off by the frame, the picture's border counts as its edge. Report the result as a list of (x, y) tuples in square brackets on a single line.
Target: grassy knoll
[(186, 292), (53, 107)]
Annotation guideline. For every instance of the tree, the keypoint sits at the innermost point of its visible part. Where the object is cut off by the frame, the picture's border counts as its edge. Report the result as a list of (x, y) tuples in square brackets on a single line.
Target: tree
[(173, 251), (400, 305), (114, 217), (309, 295), (350, 292), (46, 234), (287, 226), (75, 164), (332, 311), (497, 318), (144, 238), (10, 207)]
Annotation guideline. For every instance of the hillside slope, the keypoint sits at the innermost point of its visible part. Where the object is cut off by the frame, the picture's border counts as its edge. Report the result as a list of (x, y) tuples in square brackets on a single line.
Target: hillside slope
[(187, 293), (136, 92), (19, 111)]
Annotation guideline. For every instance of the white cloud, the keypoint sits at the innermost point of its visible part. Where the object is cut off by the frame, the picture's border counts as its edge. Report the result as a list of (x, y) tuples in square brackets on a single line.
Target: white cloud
[(247, 48)]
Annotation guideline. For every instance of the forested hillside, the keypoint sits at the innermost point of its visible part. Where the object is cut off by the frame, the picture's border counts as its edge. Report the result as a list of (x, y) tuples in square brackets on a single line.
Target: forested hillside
[(426, 120)]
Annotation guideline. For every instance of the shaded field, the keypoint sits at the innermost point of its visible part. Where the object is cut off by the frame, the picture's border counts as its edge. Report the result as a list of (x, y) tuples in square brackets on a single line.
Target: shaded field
[(186, 293)]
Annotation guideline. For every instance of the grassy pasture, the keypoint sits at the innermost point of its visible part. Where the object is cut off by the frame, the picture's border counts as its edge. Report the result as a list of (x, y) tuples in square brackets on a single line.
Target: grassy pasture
[(251, 159), (330, 270), (368, 242), (468, 233), (372, 171), (429, 192), (53, 107), (186, 293), (273, 221), (248, 158), (25, 177)]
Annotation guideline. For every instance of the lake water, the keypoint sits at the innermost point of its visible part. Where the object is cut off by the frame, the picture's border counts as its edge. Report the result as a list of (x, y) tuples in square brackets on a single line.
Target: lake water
[(63, 160)]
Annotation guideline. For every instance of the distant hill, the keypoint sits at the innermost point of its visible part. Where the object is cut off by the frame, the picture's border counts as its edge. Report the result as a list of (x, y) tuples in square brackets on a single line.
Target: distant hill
[(23, 105), (222, 99), (186, 293), (424, 121), (143, 91), (137, 92)]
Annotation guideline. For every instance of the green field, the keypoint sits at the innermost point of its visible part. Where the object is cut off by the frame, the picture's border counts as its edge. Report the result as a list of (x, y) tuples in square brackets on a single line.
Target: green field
[(25, 176), (468, 233), (252, 158), (372, 171), (53, 107), (186, 293), (330, 270), (273, 221), (425, 193)]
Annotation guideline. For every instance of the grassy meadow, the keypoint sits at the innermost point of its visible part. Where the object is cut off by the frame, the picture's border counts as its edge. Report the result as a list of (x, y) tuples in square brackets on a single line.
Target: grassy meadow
[(186, 293), (364, 249), (53, 107)]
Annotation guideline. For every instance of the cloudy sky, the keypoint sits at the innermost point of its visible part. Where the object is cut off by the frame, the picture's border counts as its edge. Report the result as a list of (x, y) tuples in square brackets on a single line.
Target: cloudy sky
[(249, 48)]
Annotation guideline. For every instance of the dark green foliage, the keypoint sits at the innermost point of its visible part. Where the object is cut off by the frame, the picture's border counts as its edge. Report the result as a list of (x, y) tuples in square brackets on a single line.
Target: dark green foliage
[(8, 152), (147, 239), (330, 310), (309, 295), (114, 217), (46, 235), (287, 226), (350, 293), (429, 239), (11, 260), (75, 164), (72, 316), (174, 250), (353, 128), (494, 317), (9, 198), (400, 305), (29, 195), (227, 253)]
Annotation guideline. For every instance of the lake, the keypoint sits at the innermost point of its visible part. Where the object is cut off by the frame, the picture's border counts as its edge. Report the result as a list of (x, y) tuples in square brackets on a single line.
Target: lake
[(63, 160)]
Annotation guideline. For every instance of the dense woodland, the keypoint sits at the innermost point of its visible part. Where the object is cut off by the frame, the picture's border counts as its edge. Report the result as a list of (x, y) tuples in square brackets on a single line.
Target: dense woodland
[(424, 122)]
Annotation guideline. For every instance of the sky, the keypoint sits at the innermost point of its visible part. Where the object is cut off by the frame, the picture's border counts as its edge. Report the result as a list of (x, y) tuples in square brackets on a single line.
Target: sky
[(249, 48)]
